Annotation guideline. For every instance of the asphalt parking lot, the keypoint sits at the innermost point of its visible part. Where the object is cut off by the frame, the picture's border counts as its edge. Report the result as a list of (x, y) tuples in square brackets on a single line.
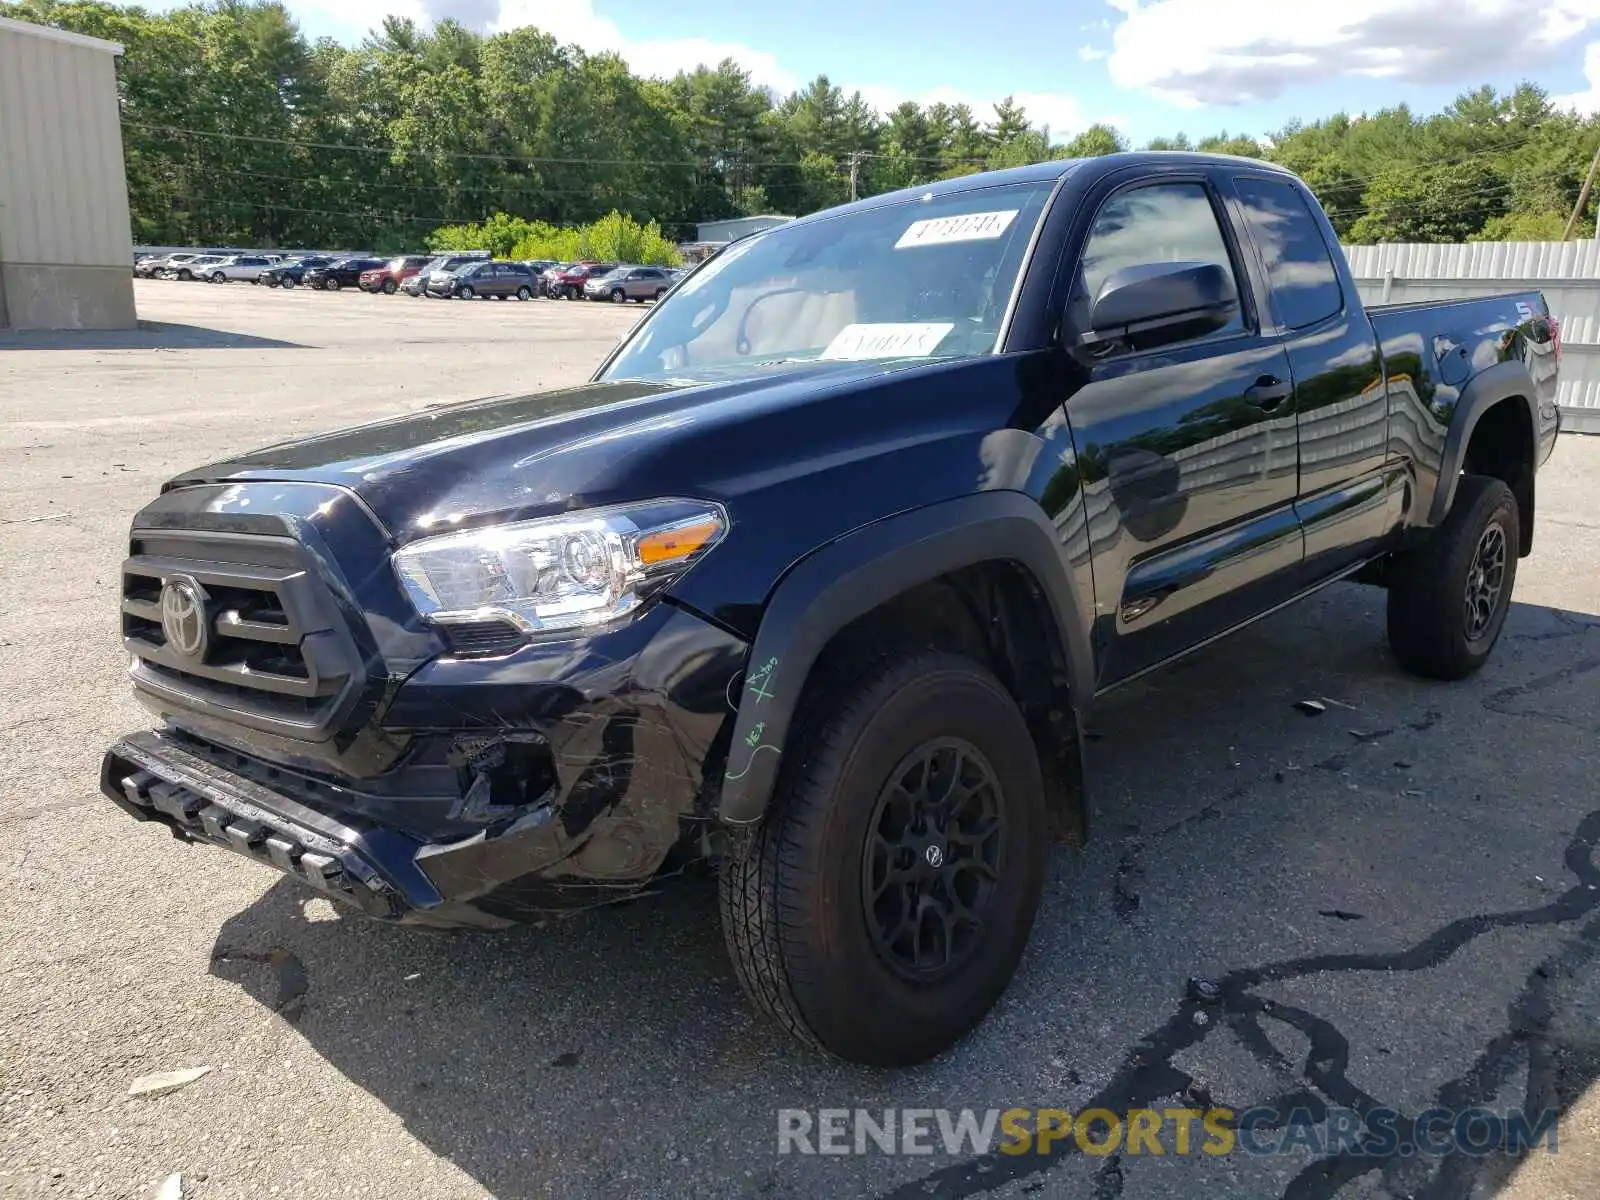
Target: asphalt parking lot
[(1400, 898)]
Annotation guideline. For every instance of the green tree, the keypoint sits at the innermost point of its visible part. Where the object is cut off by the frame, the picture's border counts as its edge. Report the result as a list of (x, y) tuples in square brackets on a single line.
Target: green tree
[(1093, 142)]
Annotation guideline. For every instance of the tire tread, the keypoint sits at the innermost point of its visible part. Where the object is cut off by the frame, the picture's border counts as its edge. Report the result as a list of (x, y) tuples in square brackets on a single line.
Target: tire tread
[(766, 874), (1423, 604)]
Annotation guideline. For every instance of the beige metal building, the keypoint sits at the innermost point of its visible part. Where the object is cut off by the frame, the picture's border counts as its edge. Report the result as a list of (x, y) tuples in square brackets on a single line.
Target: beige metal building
[(65, 243)]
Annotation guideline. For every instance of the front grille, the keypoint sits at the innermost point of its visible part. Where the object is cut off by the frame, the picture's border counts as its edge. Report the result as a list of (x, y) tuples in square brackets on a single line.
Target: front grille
[(274, 647)]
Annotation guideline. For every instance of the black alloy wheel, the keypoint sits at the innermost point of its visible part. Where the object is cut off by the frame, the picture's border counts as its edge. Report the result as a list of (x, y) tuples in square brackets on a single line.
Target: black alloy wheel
[(935, 855), (1485, 578)]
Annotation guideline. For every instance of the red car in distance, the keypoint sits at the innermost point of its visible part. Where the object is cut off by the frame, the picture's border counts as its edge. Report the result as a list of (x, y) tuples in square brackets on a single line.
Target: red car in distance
[(388, 278), (568, 284)]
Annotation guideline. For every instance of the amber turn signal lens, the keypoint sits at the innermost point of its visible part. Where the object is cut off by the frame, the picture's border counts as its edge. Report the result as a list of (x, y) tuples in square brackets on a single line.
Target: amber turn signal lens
[(675, 545)]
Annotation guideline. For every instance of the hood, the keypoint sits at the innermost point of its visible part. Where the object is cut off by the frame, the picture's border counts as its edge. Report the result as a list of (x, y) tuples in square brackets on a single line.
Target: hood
[(521, 456)]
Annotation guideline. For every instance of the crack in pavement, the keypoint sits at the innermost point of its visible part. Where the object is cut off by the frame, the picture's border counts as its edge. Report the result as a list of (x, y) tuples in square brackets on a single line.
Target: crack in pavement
[(1147, 1073)]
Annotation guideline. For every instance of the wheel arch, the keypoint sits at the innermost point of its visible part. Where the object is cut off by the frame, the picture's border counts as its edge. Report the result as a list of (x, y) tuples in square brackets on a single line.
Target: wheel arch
[(1493, 431), (998, 540)]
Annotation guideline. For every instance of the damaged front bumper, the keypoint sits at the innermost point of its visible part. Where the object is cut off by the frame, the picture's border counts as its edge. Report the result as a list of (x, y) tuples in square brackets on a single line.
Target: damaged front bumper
[(553, 778)]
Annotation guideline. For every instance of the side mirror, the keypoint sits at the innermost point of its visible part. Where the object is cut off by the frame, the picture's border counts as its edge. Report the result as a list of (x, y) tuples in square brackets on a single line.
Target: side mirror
[(1155, 304)]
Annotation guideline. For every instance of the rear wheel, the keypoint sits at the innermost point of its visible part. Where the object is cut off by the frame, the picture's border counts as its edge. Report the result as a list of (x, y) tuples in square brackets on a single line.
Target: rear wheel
[(390, 287), (524, 292), (881, 907), (660, 292), (1449, 596)]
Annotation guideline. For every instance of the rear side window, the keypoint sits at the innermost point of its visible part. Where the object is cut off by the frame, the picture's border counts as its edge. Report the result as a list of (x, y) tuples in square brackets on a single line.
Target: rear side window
[(1305, 284)]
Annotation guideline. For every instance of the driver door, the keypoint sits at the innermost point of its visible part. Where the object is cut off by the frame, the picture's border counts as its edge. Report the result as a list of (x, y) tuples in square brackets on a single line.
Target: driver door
[(1187, 451)]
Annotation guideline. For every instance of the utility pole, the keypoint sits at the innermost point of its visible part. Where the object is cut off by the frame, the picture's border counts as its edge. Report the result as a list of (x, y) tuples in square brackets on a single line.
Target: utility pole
[(1583, 198), (855, 173)]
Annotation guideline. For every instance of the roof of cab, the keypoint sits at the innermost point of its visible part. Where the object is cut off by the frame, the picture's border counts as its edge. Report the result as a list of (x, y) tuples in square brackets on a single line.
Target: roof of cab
[(1045, 172)]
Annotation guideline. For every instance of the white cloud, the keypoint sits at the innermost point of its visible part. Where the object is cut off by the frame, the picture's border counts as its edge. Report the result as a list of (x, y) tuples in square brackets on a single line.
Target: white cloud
[(1199, 52), (576, 21), (1062, 113), (1091, 53), (1587, 101), (569, 22)]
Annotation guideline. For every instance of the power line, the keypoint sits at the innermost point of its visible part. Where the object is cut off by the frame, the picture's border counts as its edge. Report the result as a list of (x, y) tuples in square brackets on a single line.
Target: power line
[(698, 164), (535, 187)]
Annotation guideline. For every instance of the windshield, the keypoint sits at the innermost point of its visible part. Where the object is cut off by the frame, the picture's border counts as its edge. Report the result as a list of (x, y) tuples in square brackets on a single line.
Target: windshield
[(928, 277)]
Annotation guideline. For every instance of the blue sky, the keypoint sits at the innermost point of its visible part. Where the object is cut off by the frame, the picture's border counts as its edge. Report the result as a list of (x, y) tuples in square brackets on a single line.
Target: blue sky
[(1149, 66)]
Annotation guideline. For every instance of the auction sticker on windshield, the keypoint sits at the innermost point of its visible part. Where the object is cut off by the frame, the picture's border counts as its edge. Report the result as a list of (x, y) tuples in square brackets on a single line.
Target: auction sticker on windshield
[(968, 227), (889, 340)]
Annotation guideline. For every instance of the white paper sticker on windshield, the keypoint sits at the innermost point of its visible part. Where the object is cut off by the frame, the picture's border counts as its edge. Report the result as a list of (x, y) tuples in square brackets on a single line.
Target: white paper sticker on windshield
[(969, 227), (905, 340)]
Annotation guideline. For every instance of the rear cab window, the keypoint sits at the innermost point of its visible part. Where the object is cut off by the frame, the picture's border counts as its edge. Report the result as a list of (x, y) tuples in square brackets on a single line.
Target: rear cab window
[(1300, 269)]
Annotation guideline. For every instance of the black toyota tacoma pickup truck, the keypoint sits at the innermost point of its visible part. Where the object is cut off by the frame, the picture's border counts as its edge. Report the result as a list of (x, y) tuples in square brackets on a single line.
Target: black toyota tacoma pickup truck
[(821, 573)]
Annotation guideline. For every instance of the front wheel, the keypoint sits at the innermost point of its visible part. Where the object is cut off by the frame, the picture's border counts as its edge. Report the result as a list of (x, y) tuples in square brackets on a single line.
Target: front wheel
[(287, 283), (465, 293), (881, 907), (185, 275), (618, 296), (524, 293), (218, 277), (1449, 596), (331, 284)]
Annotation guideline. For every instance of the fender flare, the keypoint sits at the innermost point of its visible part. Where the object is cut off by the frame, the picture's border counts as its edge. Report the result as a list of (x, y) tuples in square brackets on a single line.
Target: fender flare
[(848, 578), (1503, 381)]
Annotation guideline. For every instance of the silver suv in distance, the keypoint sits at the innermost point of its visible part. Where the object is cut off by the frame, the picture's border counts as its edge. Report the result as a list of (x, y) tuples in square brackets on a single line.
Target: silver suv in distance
[(629, 283)]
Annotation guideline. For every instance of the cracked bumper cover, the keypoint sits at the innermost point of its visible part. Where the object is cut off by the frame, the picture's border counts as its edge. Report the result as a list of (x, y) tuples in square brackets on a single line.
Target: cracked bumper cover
[(630, 725)]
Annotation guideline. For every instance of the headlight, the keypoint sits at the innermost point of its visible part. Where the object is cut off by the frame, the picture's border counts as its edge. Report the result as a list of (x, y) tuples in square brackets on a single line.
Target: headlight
[(576, 571)]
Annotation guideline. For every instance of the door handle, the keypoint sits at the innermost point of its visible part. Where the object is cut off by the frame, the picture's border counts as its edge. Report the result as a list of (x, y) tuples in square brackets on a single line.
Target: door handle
[(1267, 393)]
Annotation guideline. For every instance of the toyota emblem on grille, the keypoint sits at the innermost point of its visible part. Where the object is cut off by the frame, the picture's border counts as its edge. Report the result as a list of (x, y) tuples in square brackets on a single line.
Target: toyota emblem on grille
[(183, 617)]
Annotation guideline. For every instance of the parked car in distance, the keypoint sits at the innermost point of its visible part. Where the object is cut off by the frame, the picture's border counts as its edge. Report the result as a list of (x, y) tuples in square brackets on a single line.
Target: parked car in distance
[(417, 285), (628, 283), (341, 273), (548, 277), (388, 277), (568, 282), (177, 266), (288, 275), (241, 266), (147, 265), (499, 279), (198, 267), (539, 266)]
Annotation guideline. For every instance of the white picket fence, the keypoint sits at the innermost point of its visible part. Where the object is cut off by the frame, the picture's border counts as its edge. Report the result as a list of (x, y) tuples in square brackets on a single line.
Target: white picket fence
[(1568, 273)]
